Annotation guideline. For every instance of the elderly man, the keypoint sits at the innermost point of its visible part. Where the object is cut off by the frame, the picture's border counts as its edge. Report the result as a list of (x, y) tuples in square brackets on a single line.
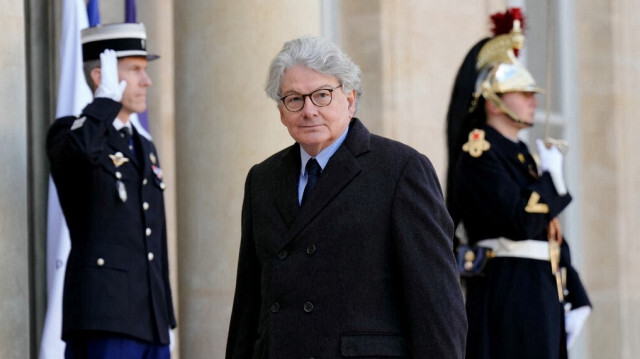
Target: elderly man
[(346, 247), (117, 299)]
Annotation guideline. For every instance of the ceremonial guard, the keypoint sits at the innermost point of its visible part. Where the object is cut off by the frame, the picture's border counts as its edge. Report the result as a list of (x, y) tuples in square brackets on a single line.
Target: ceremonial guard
[(523, 297), (117, 299)]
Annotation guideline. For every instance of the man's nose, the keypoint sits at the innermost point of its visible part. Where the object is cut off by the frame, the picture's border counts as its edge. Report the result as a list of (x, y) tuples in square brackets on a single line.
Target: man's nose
[(309, 106), (146, 80)]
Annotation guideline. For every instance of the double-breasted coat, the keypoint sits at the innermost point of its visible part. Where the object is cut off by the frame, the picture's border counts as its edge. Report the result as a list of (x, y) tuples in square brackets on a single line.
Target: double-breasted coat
[(513, 308), (117, 275), (364, 268)]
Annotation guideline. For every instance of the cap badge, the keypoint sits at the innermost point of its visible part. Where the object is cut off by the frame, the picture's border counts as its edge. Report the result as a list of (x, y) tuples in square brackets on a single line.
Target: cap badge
[(476, 145)]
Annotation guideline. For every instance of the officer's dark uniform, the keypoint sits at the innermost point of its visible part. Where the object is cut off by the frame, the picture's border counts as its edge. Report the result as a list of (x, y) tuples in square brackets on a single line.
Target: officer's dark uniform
[(117, 277), (513, 308), (494, 193)]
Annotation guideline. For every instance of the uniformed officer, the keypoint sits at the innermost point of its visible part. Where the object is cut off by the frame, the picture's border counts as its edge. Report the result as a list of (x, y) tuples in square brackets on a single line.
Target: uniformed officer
[(505, 209), (117, 299)]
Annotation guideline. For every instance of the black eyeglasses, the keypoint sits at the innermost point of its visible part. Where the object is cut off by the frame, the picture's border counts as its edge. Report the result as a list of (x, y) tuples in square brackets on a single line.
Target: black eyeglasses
[(320, 98)]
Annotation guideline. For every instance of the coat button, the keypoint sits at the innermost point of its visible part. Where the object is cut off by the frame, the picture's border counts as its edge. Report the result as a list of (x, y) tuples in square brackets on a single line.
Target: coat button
[(147, 232), (282, 254), (275, 307), (150, 256), (145, 206), (162, 186), (308, 307), (118, 175), (144, 182), (100, 262), (311, 249)]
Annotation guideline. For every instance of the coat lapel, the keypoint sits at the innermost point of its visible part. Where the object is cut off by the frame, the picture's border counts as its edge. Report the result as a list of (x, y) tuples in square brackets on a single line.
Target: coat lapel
[(341, 169), (286, 187), (145, 154)]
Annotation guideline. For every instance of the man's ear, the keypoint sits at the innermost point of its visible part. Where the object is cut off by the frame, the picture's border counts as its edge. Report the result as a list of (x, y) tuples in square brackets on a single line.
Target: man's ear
[(351, 100), (491, 108), (96, 74)]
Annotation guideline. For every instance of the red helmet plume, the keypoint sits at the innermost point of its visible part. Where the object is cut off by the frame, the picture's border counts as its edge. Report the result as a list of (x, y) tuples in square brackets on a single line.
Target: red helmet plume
[(503, 22)]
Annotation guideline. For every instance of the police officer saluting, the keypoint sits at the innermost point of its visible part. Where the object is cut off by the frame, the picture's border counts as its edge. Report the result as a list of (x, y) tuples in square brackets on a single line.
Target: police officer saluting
[(117, 299)]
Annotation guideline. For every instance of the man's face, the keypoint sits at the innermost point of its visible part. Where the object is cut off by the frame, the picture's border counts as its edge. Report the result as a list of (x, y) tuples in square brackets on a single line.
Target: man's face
[(523, 104), (314, 127), (134, 71)]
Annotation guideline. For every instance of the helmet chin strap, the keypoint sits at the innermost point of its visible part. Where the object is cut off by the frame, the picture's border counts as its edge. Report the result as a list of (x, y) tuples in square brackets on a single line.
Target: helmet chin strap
[(495, 99), (512, 115)]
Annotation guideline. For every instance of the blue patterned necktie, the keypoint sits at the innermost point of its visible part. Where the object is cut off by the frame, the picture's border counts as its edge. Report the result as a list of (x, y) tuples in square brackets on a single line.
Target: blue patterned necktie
[(313, 172)]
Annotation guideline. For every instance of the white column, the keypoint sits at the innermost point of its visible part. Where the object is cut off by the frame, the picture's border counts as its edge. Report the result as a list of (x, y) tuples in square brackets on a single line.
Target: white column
[(15, 336)]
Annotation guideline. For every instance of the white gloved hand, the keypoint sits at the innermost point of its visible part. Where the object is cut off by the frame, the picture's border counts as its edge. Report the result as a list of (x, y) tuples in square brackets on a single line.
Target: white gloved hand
[(573, 322), (109, 86), (551, 161)]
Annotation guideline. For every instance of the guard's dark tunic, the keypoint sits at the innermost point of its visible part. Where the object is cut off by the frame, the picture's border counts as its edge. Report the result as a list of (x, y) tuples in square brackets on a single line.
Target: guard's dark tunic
[(117, 277), (513, 310)]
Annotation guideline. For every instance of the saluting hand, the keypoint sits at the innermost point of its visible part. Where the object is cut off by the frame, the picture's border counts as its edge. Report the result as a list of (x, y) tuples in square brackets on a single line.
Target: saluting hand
[(109, 86)]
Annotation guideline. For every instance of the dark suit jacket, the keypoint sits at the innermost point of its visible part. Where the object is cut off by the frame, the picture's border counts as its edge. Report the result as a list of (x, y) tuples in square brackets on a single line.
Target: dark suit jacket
[(117, 277), (364, 268)]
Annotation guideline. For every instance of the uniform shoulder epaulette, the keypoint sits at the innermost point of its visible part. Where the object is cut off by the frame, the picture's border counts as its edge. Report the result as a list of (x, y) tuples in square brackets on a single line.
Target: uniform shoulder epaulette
[(476, 145)]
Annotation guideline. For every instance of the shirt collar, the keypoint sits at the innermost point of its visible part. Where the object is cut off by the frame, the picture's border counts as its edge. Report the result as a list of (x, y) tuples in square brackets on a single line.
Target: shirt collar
[(324, 155), (118, 124)]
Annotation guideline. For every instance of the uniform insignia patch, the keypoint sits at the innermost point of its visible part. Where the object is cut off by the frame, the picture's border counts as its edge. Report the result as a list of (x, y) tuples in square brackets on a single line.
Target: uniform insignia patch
[(476, 145), (157, 171), (118, 159), (534, 205), (78, 123)]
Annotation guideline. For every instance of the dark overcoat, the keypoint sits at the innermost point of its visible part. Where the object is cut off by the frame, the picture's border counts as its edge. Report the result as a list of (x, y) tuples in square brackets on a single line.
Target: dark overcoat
[(513, 308), (364, 269), (117, 275)]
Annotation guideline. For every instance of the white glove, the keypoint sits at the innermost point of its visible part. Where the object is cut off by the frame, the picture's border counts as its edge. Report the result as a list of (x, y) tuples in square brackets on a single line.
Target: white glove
[(573, 322), (551, 161), (172, 340), (109, 86)]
